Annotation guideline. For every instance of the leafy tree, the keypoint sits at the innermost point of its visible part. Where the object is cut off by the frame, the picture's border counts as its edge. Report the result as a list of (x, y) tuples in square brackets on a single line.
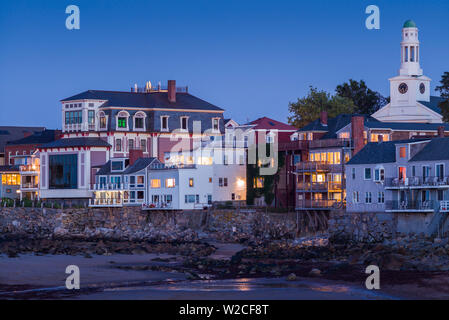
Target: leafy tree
[(308, 109), (366, 100), (444, 93)]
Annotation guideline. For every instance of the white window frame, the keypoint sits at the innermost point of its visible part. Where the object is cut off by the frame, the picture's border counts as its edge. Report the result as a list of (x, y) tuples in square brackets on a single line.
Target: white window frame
[(139, 115), (100, 115), (122, 114), (162, 122), (368, 196), (187, 123), (355, 197), (218, 125)]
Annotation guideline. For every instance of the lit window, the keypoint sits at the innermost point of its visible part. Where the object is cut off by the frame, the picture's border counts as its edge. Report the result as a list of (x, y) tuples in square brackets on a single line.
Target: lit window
[(155, 183), (170, 183), (11, 179), (191, 182), (140, 180), (122, 122), (102, 122), (258, 182), (402, 152)]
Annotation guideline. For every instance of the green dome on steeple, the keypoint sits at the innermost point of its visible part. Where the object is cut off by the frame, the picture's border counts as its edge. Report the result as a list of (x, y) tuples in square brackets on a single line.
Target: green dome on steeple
[(409, 24)]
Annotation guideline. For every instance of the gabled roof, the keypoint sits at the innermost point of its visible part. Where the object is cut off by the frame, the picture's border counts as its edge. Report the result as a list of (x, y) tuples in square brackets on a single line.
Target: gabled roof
[(8, 133), (140, 164), (433, 104), (76, 142), (436, 149), (37, 138), (265, 123), (158, 100), (379, 152), (333, 125)]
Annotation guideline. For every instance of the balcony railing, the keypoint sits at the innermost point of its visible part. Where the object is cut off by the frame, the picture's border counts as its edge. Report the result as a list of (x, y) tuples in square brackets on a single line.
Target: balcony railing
[(329, 143), (312, 186), (294, 145), (318, 166), (425, 182), (319, 204), (72, 127), (108, 186), (427, 205), (29, 169), (158, 206), (29, 186), (111, 202), (444, 206)]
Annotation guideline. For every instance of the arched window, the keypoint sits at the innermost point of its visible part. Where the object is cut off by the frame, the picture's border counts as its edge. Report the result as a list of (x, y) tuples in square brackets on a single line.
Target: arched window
[(122, 120), (102, 120), (139, 121)]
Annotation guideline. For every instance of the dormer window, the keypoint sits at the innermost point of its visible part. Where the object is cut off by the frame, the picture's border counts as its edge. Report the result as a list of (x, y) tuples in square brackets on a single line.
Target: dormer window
[(403, 152), (139, 121), (122, 120), (117, 166), (184, 123), (216, 124), (103, 122), (164, 123)]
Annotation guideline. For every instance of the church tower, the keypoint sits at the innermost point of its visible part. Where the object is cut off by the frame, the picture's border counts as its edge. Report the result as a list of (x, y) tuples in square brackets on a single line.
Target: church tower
[(410, 90)]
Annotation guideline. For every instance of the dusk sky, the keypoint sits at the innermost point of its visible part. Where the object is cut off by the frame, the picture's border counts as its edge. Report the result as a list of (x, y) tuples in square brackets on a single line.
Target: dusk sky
[(248, 57)]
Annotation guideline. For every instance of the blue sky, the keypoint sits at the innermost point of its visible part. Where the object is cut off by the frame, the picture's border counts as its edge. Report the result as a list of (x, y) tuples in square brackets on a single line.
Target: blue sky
[(249, 57)]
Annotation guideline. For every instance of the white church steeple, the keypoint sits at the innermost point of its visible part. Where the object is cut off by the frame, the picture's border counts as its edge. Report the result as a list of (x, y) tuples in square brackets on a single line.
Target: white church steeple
[(410, 90), (410, 50)]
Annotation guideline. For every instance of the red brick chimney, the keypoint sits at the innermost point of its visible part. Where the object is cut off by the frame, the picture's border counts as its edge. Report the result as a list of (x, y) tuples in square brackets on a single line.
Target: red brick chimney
[(135, 154), (323, 118), (441, 132), (357, 126), (172, 91)]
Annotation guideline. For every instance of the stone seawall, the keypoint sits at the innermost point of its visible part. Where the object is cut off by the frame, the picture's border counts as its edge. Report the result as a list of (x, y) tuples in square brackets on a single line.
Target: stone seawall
[(132, 223)]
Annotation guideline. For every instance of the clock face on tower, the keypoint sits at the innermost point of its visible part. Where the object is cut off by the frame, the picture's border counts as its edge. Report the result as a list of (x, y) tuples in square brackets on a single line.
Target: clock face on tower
[(403, 88), (422, 88)]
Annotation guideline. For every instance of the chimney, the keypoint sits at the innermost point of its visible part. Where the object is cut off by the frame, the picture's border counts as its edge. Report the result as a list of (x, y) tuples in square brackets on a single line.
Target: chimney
[(134, 155), (323, 118), (357, 126), (441, 132), (172, 91)]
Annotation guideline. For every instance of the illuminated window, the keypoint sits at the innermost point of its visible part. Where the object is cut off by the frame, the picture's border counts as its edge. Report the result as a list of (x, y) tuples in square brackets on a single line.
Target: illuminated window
[(191, 182), (170, 183), (11, 179), (155, 183), (402, 152), (337, 157), (121, 122), (140, 179), (258, 182), (102, 122), (344, 135)]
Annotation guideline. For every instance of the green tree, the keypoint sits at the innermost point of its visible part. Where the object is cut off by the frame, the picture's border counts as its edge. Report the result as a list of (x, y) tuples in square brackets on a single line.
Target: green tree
[(308, 109), (366, 100), (444, 93)]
